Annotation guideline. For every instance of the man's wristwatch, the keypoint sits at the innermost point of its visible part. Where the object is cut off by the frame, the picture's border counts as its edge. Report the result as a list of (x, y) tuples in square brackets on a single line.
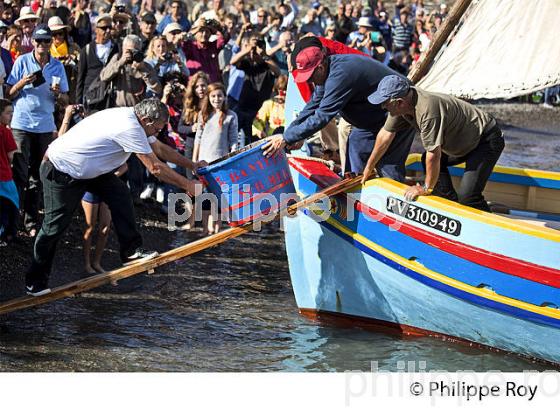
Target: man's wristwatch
[(427, 189)]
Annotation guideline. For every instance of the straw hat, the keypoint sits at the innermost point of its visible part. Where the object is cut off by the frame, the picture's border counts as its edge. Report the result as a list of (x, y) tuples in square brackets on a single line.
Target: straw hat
[(26, 13), (364, 22), (172, 27), (121, 16), (56, 24), (103, 17)]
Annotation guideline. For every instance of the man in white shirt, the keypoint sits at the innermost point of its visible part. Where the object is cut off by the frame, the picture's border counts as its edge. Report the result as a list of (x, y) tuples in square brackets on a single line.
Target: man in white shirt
[(84, 159)]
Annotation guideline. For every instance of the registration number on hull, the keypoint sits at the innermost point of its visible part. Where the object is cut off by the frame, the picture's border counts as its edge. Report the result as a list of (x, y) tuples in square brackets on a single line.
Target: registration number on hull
[(423, 216)]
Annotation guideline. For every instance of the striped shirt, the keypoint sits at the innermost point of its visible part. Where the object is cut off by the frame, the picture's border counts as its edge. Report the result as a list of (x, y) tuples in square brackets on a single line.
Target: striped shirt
[(402, 35)]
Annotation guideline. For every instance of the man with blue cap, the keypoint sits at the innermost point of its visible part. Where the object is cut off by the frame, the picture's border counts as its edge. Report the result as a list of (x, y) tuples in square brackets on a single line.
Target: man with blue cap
[(452, 132), (342, 84)]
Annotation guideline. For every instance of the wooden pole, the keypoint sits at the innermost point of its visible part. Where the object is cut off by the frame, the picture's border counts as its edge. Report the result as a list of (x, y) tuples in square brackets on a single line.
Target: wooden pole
[(423, 66), (95, 281)]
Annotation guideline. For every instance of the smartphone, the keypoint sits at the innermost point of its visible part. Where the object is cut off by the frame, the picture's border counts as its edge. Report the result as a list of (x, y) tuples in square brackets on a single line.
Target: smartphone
[(39, 78)]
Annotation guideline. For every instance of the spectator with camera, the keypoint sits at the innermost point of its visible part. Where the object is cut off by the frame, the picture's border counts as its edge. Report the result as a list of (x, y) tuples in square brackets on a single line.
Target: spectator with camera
[(260, 73), (36, 84), (177, 14), (93, 57), (361, 39), (311, 23), (175, 36), (164, 60), (202, 54), (282, 50), (131, 79), (130, 75)]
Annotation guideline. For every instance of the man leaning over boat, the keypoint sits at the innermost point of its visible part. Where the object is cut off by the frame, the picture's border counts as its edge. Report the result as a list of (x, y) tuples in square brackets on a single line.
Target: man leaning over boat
[(342, 83), (452, 132)]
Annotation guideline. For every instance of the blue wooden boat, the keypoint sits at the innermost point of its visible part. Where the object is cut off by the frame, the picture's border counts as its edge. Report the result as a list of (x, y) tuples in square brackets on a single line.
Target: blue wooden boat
[(432, 267)]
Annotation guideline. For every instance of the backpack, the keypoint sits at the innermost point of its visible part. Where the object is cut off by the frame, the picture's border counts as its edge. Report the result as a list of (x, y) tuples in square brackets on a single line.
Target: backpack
[(99, 94)]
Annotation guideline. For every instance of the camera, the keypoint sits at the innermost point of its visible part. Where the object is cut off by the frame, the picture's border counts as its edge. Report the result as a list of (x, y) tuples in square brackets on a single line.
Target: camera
[(78, 113), (120, 9), (168, 56), (175, 86), (137, 56)]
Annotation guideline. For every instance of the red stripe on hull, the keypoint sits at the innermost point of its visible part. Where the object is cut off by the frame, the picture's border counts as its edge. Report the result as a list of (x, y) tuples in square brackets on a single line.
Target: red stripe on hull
[(382, 326), (323, 176)]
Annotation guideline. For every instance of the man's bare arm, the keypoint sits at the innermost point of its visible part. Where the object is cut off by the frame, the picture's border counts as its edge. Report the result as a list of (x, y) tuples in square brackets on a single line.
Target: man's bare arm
[(382, 143), (162, 171)]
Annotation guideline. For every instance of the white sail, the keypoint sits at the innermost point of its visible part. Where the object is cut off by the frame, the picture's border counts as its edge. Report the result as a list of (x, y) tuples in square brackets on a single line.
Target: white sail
[(503, 49)]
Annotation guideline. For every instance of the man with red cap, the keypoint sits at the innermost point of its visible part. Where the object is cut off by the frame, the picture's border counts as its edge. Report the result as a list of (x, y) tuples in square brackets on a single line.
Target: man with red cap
[(342, 84)]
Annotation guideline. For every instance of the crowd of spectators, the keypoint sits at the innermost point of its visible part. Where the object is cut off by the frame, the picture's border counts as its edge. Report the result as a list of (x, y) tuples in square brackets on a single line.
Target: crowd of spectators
[(221, 68)]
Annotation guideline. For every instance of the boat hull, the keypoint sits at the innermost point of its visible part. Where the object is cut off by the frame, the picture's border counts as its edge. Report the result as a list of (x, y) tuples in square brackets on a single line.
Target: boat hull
[(377, 268)]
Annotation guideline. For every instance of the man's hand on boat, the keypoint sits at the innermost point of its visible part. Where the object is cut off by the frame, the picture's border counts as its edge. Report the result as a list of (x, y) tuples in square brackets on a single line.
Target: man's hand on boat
[(413, 192), (369, 173), (274, 144), (199, 164)]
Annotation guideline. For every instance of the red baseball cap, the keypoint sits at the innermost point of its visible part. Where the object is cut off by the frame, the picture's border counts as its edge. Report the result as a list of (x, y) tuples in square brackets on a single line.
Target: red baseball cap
[(307, 61)]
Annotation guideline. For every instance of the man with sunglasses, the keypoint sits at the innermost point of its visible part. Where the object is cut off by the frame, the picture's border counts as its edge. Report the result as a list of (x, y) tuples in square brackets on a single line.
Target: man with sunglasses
[(120, 26), (95, 55), (148, 24), (35, 94)]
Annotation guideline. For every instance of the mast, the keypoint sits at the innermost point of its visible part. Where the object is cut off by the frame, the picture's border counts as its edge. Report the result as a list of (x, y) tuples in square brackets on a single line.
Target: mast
[(439, 40)]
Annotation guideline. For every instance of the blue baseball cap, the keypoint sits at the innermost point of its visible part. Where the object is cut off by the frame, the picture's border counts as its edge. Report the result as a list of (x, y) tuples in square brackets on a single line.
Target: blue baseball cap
[(42, 32), (392, 86)]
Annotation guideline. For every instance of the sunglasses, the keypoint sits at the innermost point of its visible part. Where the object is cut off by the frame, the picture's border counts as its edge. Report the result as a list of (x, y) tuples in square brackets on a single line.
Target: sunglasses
[(262, 15), (58, 33), (175, 32), (104, 28), (42, 41), (119, 21)]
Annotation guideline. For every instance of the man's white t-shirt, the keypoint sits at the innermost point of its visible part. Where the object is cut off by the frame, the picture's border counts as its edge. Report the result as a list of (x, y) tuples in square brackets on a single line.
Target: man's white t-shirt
[(99, 144)]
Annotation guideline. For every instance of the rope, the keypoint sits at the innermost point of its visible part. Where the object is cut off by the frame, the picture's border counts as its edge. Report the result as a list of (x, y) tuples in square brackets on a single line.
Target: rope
[(331, 164)]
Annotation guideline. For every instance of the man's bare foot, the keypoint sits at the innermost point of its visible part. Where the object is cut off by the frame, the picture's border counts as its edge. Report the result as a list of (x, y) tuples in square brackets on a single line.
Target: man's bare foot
[(89, 269), (99, 268)]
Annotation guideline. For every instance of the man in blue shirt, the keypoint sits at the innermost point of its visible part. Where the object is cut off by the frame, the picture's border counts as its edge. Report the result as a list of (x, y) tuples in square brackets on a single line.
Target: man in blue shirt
[(177, 15), (37, 81), (343, 83)]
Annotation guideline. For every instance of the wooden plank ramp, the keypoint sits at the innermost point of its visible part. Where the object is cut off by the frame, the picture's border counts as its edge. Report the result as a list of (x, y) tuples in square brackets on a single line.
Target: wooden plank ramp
[(74, 288)]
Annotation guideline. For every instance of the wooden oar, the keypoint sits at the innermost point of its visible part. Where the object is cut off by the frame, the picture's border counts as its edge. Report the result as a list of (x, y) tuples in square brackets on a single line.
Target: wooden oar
[(95, 281)]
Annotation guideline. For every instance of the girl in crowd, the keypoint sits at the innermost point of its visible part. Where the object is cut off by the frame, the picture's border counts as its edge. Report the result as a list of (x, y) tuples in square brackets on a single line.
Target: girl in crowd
[(95, 211), (163, 60), (195, 93), (216, 136), (270, 118)]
